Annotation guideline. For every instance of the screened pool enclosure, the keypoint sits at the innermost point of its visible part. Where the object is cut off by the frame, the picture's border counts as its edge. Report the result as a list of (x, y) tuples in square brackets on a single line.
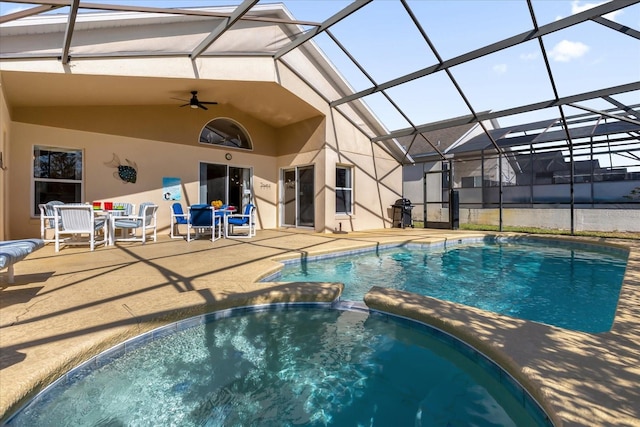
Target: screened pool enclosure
[(526, 112)]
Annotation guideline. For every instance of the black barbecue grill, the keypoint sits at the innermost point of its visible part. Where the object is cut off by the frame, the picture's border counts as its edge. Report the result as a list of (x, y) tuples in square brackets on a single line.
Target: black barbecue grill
[(402, 213)]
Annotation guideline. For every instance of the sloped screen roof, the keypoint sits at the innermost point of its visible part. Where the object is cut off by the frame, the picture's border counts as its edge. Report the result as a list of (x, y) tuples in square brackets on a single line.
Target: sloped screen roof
[(396, 68)]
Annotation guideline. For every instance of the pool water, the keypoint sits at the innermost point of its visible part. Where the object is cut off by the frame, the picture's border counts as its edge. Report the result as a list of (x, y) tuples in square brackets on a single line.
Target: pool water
[(567, 286), (296, 366)]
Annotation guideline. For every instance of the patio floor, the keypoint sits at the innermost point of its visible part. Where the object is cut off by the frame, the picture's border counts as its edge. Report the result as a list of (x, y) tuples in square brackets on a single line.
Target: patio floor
[(66, 307)]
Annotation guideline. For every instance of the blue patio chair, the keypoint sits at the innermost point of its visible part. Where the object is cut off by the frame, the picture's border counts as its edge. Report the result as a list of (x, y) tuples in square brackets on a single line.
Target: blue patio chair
[(201, 220), (178, 218), (245, 220), (145, 221)]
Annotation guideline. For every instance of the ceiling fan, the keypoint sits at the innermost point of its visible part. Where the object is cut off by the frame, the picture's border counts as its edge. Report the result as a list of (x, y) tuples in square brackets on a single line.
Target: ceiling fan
[(194, 102)]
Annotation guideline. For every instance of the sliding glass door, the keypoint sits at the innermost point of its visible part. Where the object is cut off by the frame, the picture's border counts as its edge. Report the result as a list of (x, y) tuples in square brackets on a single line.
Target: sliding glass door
[(230, 184), (298, 197)]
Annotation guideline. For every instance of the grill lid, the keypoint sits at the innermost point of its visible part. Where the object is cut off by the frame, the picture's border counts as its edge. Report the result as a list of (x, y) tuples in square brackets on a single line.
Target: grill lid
[(402, 202)]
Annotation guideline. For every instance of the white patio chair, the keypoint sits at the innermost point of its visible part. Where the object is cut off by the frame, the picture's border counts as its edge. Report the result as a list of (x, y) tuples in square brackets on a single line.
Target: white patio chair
[(80, 224), (246, 220), (47, 219), (121, 210), (146, 221)]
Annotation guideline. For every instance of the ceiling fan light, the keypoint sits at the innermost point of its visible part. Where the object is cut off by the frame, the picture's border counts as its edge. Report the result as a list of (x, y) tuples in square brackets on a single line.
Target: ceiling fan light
[(193, 105)]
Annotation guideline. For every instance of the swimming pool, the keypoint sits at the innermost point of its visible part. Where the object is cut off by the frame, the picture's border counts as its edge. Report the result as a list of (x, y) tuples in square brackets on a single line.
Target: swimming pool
[(311, 364), (558, 283)]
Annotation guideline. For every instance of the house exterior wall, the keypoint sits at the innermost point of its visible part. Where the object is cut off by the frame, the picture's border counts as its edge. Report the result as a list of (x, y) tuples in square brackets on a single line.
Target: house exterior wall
[(154, 161), (5, 135), (163, 142), (284, 112)]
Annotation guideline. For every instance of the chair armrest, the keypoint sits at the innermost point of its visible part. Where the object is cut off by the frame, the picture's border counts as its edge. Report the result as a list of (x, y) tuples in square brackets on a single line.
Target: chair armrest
[(237, 215), (125, 217)]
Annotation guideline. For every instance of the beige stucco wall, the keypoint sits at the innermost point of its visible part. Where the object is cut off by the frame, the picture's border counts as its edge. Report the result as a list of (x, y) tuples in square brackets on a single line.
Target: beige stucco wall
[(171, 150), (334, 141), (154, 161), (157, 123), (375, 178), (5, 136)]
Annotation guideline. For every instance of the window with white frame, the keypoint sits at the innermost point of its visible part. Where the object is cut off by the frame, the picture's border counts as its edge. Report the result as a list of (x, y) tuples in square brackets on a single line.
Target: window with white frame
[(57, 175), (344, 190)]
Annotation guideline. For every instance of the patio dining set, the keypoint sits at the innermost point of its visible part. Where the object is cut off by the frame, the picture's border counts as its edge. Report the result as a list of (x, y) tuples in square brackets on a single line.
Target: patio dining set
[(106, 223), (96, 224), (225, 221)]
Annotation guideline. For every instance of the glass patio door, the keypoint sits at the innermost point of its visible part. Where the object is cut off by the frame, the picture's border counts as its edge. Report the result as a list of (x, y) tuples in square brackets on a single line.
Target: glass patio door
[(239, 184), (230, 184), (298, 196)]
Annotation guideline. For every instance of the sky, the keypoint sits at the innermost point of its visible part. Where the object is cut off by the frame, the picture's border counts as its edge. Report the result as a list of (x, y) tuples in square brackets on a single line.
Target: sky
[(384, 41)]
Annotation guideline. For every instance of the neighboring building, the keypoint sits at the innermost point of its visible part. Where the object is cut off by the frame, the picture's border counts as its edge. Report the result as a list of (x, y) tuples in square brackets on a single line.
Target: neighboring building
[(427, 181), (540, 178), (107, 123)]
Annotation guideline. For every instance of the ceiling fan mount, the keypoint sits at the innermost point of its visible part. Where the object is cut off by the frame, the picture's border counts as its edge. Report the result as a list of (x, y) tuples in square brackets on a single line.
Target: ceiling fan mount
[(195, 103)]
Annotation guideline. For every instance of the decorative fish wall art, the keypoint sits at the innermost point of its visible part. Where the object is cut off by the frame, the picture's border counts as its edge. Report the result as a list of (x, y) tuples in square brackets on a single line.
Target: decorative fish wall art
[(126, 172)]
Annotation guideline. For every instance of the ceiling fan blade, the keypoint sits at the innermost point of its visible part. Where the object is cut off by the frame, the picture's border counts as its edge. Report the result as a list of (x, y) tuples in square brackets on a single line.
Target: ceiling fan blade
[(194, 102)]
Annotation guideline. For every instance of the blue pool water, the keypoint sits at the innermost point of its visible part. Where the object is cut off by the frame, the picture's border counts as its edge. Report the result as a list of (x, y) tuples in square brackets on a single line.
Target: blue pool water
[(563, 285), (303, 365)]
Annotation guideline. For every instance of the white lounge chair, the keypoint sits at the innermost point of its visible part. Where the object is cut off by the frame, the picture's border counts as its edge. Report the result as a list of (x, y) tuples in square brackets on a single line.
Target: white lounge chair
[(14, 251), (81, 226)]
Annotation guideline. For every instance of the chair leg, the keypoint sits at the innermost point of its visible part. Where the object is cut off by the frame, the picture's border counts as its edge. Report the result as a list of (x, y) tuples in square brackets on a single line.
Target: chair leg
[(175, 231), (213, 231), (10, 274)]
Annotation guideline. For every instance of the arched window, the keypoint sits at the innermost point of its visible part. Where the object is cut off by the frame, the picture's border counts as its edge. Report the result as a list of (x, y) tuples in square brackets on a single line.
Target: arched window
[(225, 132)]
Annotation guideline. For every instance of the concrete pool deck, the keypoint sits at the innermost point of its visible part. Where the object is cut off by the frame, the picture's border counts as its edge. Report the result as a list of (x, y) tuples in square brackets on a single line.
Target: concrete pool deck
[(66, 307)]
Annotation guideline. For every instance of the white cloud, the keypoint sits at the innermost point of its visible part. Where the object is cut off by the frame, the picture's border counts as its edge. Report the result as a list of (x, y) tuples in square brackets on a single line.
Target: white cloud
[(576, 7), (529, 56), (500, 68), (566, 51)]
